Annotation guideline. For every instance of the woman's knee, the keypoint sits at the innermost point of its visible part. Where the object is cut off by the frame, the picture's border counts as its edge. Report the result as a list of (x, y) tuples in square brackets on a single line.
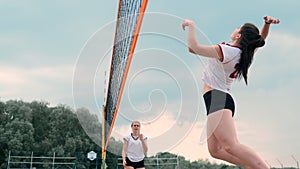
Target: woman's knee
[(214, 152), (230, 147)]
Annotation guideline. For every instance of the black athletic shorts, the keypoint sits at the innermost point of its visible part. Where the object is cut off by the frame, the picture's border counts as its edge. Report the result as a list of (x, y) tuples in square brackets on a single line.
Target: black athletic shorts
[(139, 164), (217, 100)]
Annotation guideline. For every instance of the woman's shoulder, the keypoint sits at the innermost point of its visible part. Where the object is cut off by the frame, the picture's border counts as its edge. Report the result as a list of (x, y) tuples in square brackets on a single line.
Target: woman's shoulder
[(127, 137), (229, 46), (229, 52)]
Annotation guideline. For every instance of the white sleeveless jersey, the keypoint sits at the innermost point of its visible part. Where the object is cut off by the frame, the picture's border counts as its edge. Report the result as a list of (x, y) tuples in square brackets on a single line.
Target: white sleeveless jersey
[(221, 74), (135, 151)]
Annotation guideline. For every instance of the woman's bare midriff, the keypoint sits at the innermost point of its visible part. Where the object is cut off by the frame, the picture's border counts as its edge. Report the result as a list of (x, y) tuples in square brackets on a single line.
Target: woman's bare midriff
[(206, 88)]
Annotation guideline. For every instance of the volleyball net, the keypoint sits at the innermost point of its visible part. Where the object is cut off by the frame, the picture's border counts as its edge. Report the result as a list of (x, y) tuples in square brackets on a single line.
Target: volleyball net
[(128, 24)]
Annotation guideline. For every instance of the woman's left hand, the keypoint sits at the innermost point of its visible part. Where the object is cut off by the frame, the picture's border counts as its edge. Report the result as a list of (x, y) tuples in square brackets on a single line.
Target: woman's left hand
[(271, 20), (186, 23)]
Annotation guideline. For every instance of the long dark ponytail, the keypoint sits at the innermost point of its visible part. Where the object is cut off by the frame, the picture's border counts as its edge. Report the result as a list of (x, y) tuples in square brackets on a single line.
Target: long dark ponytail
[(250, 40)]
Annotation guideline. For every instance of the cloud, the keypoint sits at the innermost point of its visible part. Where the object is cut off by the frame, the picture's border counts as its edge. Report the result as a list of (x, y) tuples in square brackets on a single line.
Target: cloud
[(277, 62), (37, 83)]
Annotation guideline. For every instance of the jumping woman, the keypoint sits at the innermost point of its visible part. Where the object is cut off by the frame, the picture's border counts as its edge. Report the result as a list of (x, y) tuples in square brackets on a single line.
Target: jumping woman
[(228, 62)]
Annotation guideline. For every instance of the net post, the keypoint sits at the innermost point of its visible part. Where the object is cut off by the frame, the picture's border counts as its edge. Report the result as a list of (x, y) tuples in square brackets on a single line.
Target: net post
[(103, 157)]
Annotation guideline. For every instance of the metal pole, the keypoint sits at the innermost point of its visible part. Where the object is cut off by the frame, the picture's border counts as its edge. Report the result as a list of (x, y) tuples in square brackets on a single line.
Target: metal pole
[(268, 164), (31, 160), (103, 165), (53, 167), (157, 164), (8, 160), (296, 161), (280, 163), (177, 159)]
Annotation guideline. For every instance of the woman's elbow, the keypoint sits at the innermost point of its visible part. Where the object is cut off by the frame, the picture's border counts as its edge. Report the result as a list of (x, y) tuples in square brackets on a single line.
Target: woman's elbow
[(193, 47), (191, 50)]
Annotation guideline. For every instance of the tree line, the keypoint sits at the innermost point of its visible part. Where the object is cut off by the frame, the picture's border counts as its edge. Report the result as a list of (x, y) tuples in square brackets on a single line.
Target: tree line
[(36, 127)]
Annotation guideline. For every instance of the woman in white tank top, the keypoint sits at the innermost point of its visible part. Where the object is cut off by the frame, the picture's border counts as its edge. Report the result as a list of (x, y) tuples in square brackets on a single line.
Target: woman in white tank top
[(226, 63), (134, 148)]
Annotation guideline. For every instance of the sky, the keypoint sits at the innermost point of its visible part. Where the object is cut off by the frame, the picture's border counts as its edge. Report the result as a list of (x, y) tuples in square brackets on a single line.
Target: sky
[(59, 52)]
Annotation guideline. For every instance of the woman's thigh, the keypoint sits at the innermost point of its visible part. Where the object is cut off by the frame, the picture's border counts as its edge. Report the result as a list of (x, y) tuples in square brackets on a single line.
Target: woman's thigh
[(221, 125)]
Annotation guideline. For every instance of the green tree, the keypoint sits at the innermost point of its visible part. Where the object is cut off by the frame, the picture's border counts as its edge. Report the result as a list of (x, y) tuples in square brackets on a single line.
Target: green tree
[(41, 125), (3, 115), (3, 121), (19, 135)]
